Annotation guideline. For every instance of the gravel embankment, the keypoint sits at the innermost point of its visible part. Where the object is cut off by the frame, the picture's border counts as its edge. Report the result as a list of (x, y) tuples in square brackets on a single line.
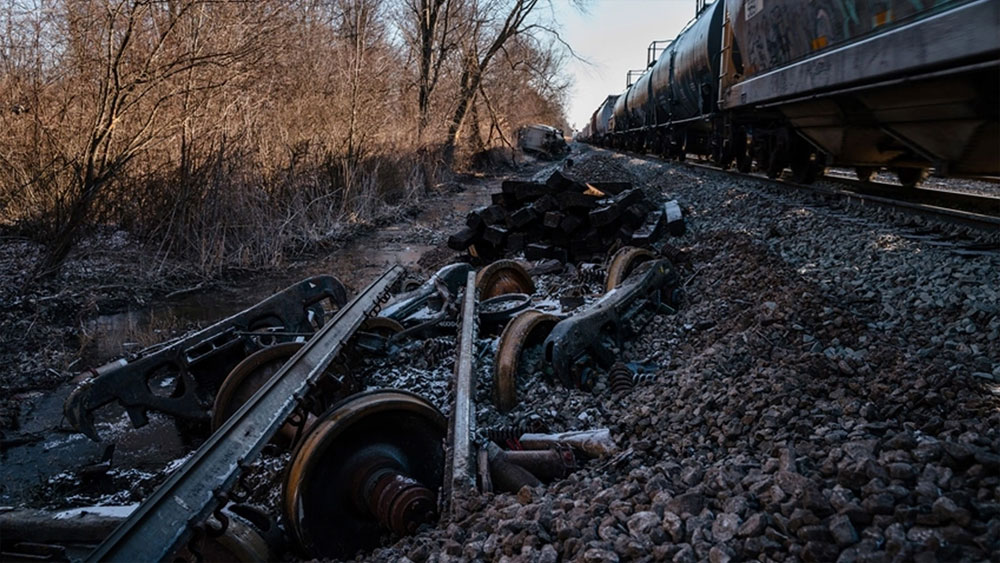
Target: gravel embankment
[(829, 391)]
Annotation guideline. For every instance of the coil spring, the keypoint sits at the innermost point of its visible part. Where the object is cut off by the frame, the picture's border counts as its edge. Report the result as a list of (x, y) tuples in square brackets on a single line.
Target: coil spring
[(508, 436), (643, 378), (590, 274), (620, 378), (436, 350)]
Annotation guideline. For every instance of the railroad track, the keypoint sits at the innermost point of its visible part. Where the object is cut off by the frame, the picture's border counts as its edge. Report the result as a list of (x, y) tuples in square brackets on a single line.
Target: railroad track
[(978, 212)]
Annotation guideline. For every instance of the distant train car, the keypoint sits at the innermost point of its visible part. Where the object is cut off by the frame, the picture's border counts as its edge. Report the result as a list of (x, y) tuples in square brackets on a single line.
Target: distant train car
[(600, 120), (543, 140), (906, 84)]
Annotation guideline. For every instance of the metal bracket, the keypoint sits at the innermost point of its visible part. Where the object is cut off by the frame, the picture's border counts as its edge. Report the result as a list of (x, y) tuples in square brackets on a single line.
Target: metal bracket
[(584, 335), (180, 378)]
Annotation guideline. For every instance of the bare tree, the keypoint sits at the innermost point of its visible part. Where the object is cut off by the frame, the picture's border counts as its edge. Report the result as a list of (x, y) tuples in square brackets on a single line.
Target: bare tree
[(505, 19), (136, 66), (435, 36)]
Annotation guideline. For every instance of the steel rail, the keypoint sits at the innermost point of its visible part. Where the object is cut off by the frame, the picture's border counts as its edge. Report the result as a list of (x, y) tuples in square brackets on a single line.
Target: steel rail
[(951, 199), (459, 476), (990, 224), (169, 517)]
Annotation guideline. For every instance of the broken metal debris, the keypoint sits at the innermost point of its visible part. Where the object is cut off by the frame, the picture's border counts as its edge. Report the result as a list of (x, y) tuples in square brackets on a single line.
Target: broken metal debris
[(198, 487), (591, 333), (595, 443), (180, 378), (238, 532), (375, 462), (565, 220)]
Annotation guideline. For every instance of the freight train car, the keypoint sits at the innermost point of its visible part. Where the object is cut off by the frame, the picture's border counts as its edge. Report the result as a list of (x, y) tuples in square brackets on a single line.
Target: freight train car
[(904, 84)]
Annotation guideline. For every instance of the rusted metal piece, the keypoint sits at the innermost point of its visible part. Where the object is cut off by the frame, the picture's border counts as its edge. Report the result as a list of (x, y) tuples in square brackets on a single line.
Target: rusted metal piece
[(459, 472), (548, 464), (370, 464), (506, 476), (622, 264), (167, 518), (195, 365), (503, 276), (593, 443), (620, 378), (589, 334), (529, 327)]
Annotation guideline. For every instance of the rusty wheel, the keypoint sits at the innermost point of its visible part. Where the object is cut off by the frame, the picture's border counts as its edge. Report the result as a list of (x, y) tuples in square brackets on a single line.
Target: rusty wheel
[(246, 378), (382, 326), (503, 276), (527, 328), (372, 463), (622, 264)]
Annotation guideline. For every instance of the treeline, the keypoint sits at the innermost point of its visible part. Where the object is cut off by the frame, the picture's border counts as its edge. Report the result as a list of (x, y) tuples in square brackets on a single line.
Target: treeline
[(231, 132)]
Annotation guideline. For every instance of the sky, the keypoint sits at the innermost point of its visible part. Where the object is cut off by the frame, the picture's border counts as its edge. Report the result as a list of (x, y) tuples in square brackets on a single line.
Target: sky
[(612, 36)]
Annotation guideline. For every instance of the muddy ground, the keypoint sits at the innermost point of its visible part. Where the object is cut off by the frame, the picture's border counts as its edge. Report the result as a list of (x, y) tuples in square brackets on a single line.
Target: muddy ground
[(829, 390)]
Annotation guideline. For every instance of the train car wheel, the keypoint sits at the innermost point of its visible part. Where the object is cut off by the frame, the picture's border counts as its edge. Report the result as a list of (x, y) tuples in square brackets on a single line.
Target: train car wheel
[(249, 376), (864, 173), (910, 177), (528, 328), (503, 276), (370, 465), (622, 264)]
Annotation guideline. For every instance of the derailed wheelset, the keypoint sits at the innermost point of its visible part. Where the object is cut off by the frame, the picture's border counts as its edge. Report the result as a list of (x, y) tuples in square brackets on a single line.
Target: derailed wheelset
[(372, 464), (565, 347)]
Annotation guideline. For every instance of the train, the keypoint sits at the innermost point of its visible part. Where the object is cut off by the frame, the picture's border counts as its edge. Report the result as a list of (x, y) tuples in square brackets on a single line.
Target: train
[(906, 85)]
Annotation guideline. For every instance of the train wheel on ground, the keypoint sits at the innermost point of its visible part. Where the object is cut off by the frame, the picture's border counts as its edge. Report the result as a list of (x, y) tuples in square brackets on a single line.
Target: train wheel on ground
[(622, 264), (910, 177), (503, 276), (249, 376), (864, 173), (526, 329), (371, 464)]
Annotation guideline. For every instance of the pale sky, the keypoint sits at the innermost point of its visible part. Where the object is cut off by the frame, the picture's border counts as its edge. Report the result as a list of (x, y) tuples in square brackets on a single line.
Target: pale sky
[(613, 35)]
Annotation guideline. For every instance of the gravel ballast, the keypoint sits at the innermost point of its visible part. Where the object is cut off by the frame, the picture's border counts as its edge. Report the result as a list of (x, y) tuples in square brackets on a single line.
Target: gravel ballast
[(829, 391)]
